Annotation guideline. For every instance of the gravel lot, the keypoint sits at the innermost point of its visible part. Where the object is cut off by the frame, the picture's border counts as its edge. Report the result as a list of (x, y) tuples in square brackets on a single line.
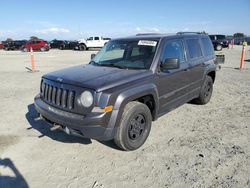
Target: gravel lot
[(192, 146)]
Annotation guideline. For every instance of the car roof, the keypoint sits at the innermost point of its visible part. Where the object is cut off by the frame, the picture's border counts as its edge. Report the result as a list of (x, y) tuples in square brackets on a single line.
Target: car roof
[(158, 36)]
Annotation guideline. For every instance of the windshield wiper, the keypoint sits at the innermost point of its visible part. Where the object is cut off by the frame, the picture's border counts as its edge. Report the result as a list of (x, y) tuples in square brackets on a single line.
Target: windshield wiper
[(93, 62), (112, 65), (119, 66)]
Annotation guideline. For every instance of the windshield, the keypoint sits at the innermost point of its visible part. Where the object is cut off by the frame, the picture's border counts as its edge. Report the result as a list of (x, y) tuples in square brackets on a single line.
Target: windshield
[(127, 54)]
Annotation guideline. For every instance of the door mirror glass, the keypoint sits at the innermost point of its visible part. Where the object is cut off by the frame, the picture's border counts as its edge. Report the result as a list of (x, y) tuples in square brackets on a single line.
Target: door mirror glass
[(170, 63)]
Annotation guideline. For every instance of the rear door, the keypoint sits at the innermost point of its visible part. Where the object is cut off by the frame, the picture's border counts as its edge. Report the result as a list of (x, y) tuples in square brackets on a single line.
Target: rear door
[(196, 63), (173, 84), (34, 45)]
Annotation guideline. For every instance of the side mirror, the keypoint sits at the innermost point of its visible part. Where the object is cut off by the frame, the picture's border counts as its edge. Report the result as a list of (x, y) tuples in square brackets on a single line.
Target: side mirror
[(170, 63), (92, 56)]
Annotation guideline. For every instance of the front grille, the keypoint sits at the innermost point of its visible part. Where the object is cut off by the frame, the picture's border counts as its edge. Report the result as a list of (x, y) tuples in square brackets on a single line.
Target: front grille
[(61, 97)]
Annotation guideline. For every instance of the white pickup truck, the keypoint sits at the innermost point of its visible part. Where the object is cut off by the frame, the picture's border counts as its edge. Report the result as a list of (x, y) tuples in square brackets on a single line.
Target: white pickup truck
[(91, 42)]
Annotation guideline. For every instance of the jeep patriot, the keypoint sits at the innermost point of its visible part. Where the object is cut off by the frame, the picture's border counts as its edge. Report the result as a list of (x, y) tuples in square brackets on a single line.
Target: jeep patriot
[(128, 84)]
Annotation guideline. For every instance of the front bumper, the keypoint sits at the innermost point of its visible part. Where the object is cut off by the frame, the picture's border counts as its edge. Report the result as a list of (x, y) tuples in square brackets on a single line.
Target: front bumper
[(91, 126)]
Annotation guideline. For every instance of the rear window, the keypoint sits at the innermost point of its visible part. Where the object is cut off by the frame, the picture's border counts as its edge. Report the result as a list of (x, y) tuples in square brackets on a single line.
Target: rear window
[(194, 49), (220, 37), (212, 37), (208, 47)]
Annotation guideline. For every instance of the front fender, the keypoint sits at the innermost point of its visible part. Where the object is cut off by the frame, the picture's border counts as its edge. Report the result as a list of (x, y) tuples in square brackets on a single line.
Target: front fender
[(131, 95)]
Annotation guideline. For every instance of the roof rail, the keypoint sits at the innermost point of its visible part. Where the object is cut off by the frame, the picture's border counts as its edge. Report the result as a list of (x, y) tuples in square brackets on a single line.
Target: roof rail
[(183, 33), (141, 34)]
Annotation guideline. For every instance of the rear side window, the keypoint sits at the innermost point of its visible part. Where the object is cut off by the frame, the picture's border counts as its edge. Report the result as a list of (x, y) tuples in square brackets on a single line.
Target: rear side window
[(208, 47), (194, 49)]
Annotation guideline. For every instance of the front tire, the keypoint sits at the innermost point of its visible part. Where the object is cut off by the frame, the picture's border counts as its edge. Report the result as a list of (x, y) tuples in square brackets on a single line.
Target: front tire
[(25, 50), (83, 47), (206, 91), (135, 126)]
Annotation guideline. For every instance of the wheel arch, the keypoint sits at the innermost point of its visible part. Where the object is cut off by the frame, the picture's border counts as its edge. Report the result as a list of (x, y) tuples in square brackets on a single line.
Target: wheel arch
[(212, 74), (146, 94)]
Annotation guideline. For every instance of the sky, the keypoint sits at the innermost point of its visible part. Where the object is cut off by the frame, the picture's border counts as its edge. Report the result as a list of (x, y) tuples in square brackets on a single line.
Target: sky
[(76, 19)]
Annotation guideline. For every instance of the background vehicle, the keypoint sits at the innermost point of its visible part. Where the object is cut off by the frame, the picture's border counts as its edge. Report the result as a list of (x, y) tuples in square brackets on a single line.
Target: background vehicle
[(91, 42), (1, 45), (41, 45), (63, 44), (239, 41), (219, 41), (68, 45), (55, 43), (14, 45)]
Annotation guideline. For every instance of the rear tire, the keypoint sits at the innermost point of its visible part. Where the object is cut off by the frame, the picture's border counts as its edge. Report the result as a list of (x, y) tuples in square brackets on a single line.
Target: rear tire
[(43, 49), (218, 47), (134, 127), (206, 91)]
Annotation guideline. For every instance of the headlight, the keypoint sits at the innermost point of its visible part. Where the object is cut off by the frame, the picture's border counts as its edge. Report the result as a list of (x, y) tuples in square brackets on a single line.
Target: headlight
[(86, 99)]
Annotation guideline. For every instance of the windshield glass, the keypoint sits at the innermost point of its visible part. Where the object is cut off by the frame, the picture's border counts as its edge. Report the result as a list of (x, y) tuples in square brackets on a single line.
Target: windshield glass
[(127, 54)]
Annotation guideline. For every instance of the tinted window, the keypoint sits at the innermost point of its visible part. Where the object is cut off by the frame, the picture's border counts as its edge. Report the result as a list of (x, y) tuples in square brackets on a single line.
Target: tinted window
[(212, 37), (194, 49), (96, 38), (208, 47), (174, 49), (220, 37)]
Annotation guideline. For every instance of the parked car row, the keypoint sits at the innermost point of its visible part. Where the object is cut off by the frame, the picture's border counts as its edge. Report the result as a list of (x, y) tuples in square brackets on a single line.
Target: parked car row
[(63, 44), (239, 41), (42, 45), (25, 45)]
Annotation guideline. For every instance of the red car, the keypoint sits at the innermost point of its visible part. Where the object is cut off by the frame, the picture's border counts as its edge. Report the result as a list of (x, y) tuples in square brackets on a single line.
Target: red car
[(41, 45), (1, 45)]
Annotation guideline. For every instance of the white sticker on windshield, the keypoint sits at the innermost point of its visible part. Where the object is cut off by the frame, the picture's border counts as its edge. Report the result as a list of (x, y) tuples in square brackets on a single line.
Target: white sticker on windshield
[(147, 43)]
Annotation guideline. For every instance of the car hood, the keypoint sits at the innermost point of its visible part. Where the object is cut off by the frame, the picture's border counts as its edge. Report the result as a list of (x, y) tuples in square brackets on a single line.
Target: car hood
[(96, 77)]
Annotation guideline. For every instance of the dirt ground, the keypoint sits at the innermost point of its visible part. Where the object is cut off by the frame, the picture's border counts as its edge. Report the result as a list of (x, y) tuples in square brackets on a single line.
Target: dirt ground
[(192, 146)]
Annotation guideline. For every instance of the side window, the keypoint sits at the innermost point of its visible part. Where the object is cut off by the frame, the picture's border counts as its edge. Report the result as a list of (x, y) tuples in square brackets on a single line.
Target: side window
[(174, 49), (96, 38), (194, 49), (208, 47), (90, 38)]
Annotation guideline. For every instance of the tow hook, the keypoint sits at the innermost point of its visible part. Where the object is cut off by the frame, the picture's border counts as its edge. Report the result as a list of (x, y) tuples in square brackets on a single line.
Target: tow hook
[(40, 117), (55, 127)]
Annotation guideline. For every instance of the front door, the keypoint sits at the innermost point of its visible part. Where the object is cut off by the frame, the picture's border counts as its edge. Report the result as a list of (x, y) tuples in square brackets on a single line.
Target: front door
[(173, 84)]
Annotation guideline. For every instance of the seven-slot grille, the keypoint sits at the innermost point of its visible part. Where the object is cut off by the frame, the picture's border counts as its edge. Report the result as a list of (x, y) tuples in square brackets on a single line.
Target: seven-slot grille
[(58, 96)]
